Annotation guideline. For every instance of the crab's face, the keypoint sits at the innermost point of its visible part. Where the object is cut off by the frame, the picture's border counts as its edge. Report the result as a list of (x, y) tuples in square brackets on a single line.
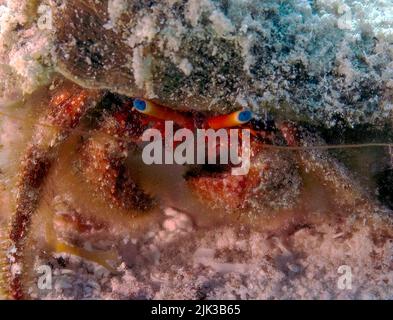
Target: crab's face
[(271, 181)]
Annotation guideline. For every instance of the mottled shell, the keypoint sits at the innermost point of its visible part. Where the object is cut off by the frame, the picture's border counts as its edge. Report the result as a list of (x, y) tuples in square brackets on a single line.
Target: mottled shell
[(301, 62)]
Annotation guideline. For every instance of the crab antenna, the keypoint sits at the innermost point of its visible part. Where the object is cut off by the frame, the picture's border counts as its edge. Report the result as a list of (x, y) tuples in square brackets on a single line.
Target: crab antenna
[(234, 119)]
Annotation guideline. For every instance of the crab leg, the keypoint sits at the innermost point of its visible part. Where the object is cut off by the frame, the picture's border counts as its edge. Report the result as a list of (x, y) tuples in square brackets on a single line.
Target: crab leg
[(323, 166), (66, 108), (102, 162)]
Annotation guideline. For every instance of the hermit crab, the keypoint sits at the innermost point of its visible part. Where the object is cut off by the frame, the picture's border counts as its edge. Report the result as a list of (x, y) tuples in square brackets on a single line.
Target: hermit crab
[(119, 72)]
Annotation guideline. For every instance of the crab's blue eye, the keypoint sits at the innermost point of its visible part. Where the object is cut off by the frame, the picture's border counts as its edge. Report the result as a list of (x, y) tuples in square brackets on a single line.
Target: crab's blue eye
[(245, 116), (140, 105)]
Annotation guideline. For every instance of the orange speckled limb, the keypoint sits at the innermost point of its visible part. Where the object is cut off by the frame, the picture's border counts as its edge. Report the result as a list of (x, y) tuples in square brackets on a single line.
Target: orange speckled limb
[(67, 106)]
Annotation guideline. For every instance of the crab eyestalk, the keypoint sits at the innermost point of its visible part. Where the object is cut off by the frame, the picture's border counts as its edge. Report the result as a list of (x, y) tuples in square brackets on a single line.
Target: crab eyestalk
[(162, 113), (235, 119), (67, 106)]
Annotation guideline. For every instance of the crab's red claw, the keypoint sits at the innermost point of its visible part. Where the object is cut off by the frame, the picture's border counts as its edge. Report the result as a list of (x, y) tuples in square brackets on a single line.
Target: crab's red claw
[(272, 182)]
